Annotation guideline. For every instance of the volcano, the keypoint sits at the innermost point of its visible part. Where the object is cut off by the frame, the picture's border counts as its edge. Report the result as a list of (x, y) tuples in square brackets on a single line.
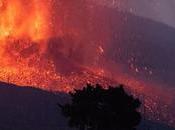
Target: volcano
[(59, 46)]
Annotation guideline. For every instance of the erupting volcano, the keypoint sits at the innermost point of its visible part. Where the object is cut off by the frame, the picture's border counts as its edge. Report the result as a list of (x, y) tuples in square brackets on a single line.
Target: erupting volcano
[(41, 45), (58, 45)]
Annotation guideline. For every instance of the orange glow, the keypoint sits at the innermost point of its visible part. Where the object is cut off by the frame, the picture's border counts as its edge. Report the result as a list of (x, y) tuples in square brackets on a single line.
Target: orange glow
[(21, 18), (24, 24)]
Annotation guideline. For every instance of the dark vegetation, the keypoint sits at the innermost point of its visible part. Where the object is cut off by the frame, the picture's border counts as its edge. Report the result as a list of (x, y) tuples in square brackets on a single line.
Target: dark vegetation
[(96, 108)]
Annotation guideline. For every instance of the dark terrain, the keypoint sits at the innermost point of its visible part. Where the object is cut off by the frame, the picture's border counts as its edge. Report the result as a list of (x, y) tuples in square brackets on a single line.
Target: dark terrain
[(26, 108)]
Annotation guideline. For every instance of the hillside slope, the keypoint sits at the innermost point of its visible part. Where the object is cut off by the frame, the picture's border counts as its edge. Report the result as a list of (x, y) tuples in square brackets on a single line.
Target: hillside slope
[(33, 109)]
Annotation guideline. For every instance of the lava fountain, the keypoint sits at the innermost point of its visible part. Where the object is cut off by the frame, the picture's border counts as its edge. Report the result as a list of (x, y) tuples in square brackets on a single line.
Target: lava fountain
[(24, 19), (24, 27)]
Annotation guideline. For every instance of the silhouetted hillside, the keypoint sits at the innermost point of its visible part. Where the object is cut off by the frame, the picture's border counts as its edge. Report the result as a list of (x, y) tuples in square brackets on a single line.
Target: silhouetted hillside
[(33, 109), (25, 108)]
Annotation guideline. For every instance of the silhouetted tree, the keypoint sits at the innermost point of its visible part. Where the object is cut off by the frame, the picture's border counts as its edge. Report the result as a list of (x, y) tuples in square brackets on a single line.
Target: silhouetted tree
[(96, 108)]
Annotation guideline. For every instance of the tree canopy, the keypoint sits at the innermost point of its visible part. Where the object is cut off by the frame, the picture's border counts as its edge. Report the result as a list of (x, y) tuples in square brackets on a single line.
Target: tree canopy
[(96, 108)]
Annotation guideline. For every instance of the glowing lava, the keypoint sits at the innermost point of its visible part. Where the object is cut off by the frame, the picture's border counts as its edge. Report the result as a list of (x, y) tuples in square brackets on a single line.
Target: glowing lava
[(24, 26), (22, 18)]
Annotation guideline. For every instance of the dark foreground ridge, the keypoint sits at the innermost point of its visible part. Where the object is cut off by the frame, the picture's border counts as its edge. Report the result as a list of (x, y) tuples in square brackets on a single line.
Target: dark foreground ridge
[(26, 108)]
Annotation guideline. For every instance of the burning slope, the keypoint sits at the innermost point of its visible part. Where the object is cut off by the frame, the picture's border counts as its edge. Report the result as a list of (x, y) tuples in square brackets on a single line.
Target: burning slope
[(42, 48)]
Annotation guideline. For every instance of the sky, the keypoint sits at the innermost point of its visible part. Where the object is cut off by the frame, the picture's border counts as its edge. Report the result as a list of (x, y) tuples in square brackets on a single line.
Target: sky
[(158, 10)]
